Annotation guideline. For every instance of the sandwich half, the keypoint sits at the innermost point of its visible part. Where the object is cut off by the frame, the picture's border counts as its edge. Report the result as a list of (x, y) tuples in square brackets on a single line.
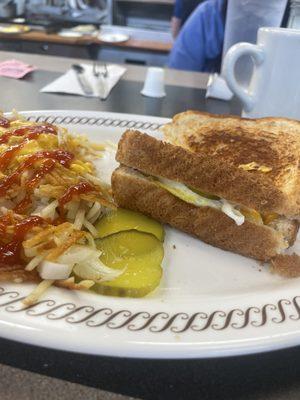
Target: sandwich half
[(231, 182)]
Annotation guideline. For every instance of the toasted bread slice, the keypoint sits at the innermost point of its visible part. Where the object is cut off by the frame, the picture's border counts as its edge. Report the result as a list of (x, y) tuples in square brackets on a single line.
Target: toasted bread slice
[(287, 265), (271, 146), (186, 124), (134, 191), (257, 170)]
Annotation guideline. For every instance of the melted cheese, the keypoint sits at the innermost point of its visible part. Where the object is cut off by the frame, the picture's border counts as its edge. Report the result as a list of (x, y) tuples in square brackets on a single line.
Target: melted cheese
[(189, 196)]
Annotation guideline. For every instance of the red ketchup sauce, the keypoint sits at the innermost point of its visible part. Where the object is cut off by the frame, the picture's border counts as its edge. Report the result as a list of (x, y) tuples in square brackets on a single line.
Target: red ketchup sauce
[(46, 128), (46, 167), (21, 207), (10, 253), (31, 132), (7, 155), (74, 191), (7, 219), (61, 156)]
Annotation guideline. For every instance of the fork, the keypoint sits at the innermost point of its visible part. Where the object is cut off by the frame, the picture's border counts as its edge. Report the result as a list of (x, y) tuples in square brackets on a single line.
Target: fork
[(98, 71), (101, 76)]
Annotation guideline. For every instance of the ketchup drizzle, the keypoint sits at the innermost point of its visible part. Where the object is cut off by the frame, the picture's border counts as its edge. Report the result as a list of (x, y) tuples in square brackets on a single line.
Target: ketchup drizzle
[(8, 154), (46, 128), (61, 156), (31, 132), (72, 191), (47, 166), (21, 207), (22, 227), (7, 219), (10, 253)]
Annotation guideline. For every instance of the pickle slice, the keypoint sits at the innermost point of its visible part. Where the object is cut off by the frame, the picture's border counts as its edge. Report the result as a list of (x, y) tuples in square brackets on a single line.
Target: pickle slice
[(140, 255), (124, 220)]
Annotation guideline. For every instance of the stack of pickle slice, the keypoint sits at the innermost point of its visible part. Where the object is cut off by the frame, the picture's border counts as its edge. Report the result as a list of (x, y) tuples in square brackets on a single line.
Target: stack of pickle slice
[(134, 243)]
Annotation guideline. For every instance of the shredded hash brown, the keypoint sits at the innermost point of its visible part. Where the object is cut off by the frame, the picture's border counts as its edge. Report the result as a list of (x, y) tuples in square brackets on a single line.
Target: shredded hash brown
[(41, 165)]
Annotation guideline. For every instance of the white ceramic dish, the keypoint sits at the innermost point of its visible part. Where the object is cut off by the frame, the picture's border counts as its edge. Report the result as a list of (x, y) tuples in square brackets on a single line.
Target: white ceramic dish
[(113, 37), (69, 33), (14, 29), (211, 303)]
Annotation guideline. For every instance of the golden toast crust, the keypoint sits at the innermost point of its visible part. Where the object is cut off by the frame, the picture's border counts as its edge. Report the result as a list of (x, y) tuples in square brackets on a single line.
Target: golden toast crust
[(287, 265), (133, 191), (202, 171), (268, 120), (273, 144)]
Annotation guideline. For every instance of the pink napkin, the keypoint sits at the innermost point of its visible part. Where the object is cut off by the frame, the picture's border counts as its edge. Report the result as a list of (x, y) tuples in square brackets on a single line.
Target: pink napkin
[(15, 69)]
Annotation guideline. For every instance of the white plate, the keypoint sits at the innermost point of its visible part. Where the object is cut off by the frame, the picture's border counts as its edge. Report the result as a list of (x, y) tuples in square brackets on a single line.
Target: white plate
[(113, 37), (210, 302), (18, 20), (14, 29), (69, 34)]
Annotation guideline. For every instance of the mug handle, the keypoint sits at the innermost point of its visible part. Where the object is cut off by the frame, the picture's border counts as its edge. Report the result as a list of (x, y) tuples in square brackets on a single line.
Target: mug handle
[(231, 57)]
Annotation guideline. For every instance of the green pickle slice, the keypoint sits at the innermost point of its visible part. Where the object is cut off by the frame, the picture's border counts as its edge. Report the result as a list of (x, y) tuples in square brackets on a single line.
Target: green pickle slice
[(124, 220), (140, 255)]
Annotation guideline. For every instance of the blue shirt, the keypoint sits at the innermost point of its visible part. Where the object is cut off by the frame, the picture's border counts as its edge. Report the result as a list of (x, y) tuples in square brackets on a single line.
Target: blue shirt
[(199, 44), (184, 8)]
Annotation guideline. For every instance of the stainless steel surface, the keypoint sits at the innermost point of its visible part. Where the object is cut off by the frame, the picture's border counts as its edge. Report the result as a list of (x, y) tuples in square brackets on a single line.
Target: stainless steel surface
[(7, 9), (294, 17)]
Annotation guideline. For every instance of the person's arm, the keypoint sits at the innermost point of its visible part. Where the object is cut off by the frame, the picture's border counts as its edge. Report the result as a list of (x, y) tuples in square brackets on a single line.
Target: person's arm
[(176, 18), (175, 26)]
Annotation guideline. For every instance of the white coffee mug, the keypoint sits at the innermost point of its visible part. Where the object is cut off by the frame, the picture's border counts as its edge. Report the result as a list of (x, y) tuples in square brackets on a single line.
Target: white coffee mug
[(274, 88)]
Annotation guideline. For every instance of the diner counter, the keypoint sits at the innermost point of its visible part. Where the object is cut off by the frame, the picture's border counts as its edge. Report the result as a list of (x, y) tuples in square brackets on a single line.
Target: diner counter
[(184, 90), (31, 372), (135, 73)]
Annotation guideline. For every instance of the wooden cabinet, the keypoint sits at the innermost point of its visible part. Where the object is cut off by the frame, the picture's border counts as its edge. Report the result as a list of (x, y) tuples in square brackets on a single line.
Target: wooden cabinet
[(54, 49), (120, 55), (10, 46), (127, 56)]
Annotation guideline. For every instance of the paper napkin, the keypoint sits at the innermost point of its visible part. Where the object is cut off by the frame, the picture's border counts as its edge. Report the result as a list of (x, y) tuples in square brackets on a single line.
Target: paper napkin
[(217, 88), (15, 69), (68, 83)]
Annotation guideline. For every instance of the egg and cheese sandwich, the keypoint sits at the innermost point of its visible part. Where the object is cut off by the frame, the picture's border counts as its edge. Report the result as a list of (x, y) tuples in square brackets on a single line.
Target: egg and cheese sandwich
[(231, 182)]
